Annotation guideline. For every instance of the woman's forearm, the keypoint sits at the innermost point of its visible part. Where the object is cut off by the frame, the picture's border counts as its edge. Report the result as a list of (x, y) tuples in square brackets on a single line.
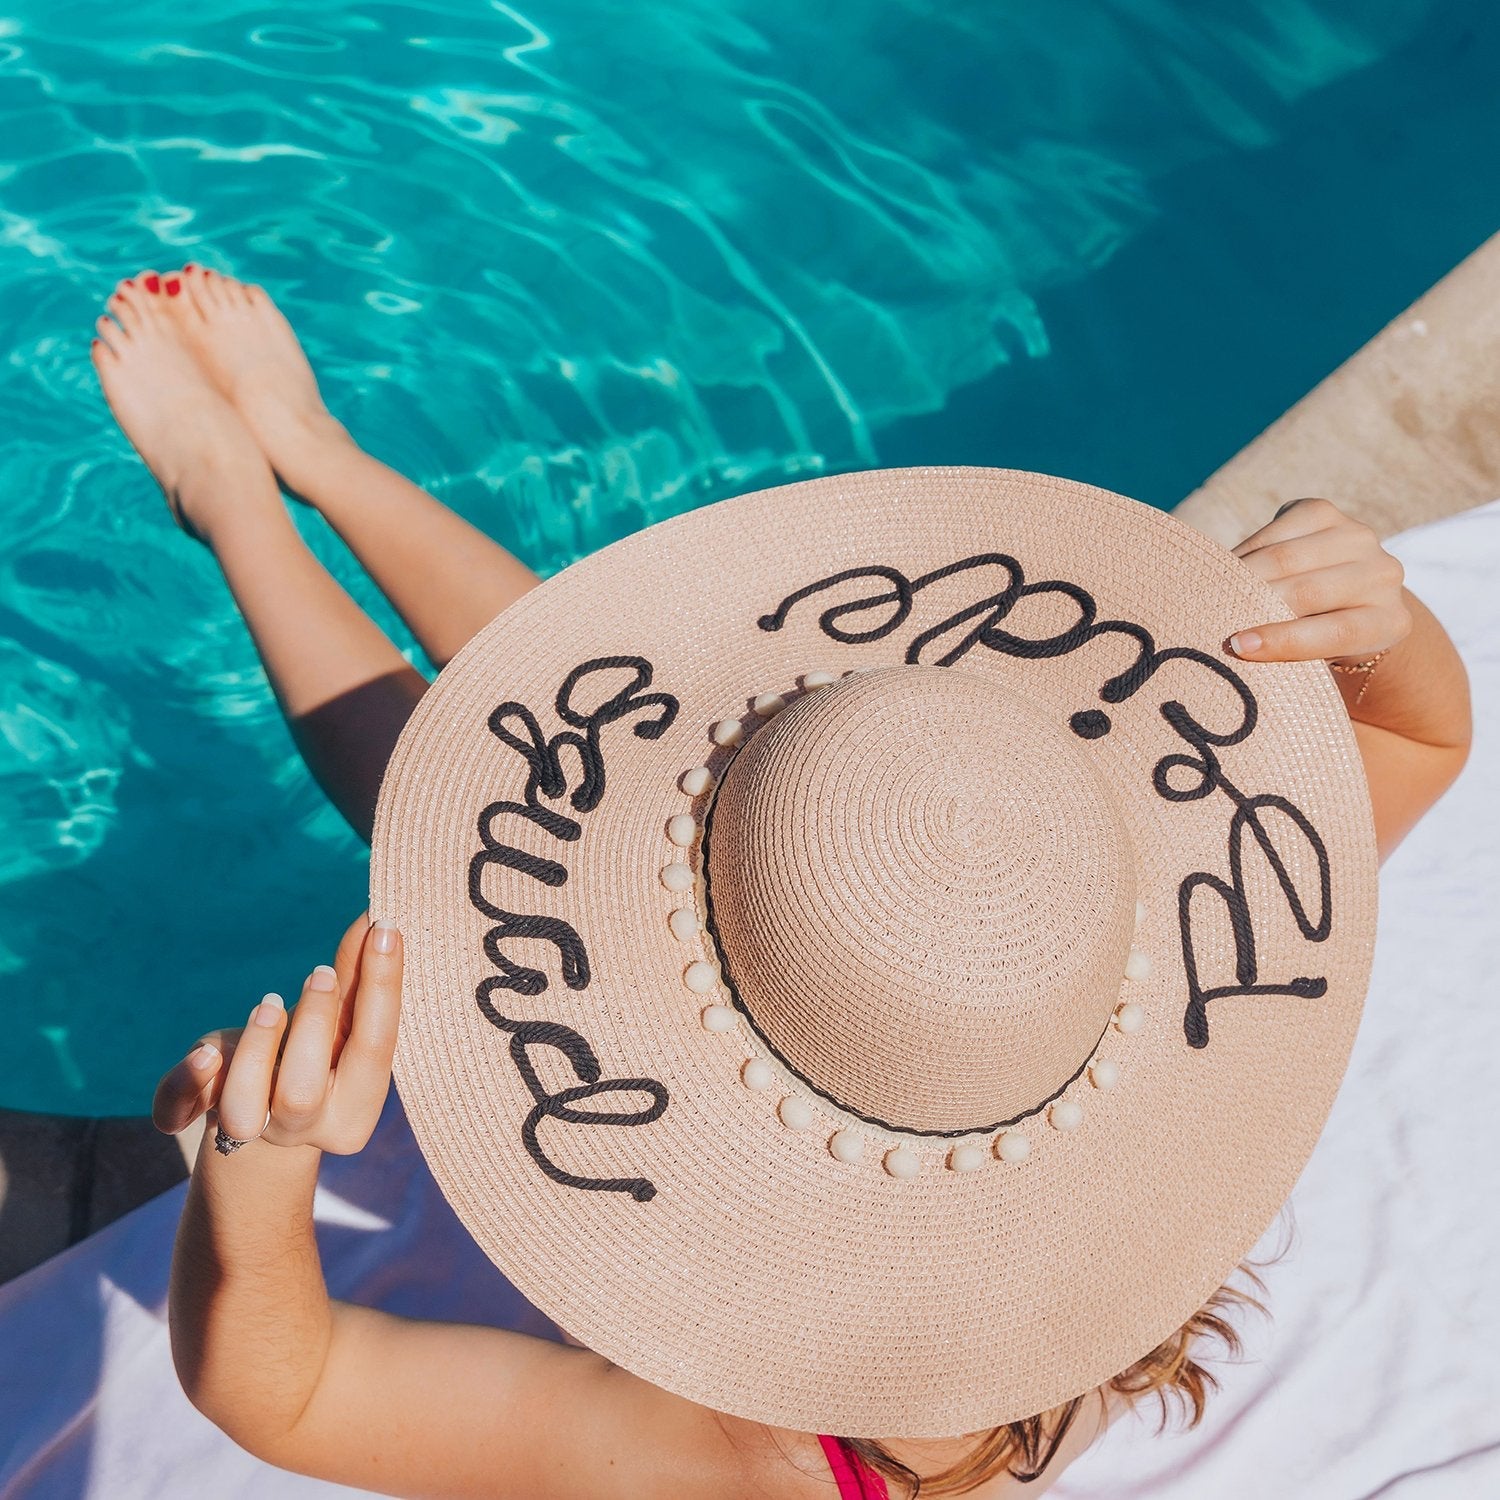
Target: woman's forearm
[(1419, 690), (249, 1311)]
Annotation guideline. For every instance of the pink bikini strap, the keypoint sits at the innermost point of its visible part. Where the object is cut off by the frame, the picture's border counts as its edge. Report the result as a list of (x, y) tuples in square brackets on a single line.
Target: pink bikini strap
[(855, 1479)]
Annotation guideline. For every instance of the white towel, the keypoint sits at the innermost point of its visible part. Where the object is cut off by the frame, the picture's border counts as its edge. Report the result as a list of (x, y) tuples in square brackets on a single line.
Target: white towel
[(1378, 1375), (1379, 1371)]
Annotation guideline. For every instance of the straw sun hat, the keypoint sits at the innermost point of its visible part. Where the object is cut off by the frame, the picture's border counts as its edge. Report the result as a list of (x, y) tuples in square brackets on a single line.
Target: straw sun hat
[(875, 961)]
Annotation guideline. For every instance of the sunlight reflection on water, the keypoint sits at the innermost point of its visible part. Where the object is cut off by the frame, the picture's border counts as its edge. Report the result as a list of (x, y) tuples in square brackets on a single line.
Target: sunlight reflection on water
[(572, 274)]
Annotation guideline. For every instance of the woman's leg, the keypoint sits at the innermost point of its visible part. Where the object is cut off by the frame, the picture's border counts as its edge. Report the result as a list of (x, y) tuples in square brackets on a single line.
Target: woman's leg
[(445, 577), (344, 688)]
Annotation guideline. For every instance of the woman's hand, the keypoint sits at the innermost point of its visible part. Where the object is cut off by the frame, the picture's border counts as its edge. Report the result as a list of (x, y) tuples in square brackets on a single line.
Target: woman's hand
[(1344, 586), (318, 1079)]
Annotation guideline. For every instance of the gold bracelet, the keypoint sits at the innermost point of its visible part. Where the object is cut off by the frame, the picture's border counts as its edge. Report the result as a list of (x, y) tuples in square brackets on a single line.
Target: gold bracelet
[(1365, 669)]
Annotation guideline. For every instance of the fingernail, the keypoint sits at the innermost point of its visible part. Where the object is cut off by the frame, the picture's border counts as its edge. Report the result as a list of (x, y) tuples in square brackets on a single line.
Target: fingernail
[(1245, 642), (385, 937), (153, 283), (173, 287), (269, 1011), (203, 1054), (322, 978)]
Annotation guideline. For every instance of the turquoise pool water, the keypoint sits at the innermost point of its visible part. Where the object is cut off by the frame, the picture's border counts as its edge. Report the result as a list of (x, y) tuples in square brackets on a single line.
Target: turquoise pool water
[(579, 266)]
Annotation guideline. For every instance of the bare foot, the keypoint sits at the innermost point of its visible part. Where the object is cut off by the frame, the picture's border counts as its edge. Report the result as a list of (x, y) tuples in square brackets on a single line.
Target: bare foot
[(197, 448), (248, 350)]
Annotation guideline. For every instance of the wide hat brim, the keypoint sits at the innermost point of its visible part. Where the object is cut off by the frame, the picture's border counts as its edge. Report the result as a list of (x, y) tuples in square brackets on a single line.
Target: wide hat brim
[(753, 1272)]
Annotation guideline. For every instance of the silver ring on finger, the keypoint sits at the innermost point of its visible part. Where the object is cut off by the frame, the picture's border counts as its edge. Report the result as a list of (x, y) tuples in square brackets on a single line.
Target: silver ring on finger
[(226, 1145)]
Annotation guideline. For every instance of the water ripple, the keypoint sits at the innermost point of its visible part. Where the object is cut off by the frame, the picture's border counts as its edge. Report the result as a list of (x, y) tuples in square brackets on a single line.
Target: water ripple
[(574, 268), (62, 745)]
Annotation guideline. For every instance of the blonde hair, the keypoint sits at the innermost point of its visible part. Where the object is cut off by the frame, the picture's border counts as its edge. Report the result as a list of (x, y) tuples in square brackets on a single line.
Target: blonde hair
[(1169, 1370)]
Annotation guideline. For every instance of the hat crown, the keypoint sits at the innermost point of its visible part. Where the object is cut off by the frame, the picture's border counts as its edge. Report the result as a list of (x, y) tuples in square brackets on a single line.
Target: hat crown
[(923, 894)]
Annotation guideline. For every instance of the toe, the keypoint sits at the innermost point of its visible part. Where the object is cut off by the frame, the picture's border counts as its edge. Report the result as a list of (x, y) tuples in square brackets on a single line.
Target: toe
[(236, 293), (151, 305), (200, 288), (172, 285), (193, 298), (124, 306), (213, 286), (102, 356), (110, 333)]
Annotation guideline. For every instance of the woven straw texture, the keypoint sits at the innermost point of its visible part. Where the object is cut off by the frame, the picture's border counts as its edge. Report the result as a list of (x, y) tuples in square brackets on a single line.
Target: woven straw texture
[(894, 862), (924, 883)]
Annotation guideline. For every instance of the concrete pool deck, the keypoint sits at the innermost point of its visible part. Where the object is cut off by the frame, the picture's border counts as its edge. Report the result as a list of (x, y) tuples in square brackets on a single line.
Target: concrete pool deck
[(1404, 432)]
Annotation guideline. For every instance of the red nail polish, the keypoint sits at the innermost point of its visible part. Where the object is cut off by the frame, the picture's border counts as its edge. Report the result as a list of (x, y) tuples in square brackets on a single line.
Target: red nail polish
[(173, 287), (127, 282), (208, 270), (189, 266), (153, 283)]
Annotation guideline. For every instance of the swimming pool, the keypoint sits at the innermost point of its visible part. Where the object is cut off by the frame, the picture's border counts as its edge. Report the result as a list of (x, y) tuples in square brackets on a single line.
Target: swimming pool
[(577, 268)]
